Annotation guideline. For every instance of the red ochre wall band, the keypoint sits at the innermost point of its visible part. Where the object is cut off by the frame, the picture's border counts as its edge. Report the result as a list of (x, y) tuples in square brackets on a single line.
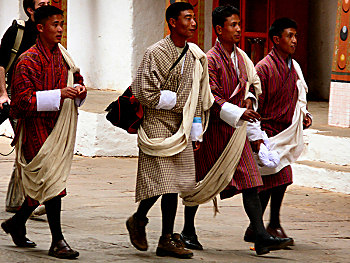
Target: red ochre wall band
[(341, 55)]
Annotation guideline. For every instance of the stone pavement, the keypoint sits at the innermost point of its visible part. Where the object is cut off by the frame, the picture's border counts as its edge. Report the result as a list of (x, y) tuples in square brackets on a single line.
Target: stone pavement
[(101, 197)]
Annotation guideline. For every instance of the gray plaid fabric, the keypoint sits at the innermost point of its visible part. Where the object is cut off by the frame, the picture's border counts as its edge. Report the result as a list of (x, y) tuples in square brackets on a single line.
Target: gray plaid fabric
[(161, 175)]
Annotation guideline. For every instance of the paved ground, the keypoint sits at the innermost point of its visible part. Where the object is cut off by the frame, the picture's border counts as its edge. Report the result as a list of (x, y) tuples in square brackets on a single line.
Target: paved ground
[(101, 197)]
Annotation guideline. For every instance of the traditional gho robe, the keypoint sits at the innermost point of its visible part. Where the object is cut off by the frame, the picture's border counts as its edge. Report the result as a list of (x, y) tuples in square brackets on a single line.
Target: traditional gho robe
[(277, 105), (158, 175), (38, 69), (227, 85)]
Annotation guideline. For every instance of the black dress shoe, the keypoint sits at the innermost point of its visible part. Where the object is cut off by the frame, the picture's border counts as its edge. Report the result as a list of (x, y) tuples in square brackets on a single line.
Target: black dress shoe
[(18, 234), (265, 245), (191, 241), (61, 249), (249, 235)]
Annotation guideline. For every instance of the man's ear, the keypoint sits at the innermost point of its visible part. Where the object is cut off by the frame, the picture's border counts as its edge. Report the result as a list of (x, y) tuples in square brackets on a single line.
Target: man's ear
[(218, 30), (172, 22), (30, 11), (40, 28), (276, 40)]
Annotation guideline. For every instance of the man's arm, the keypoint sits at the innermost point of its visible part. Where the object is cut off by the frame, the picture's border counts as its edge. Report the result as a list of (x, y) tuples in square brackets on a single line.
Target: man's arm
[(227, 111), (3, 93), (146, 85)]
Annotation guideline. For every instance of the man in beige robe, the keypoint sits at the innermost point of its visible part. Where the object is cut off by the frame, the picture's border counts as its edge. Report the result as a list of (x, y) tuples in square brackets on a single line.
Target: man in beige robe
[(174, 105)]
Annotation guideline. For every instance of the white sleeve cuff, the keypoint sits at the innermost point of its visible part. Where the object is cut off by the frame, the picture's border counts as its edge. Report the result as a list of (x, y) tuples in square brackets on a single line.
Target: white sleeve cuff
[(254, 131), (255, 101), (231, 114), (167, 100), (48, 100)]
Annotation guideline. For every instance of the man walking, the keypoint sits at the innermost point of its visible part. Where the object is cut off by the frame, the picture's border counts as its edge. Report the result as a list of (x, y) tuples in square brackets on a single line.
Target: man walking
[(231, 74), (45, 102), (282, 106), (15, 196), (175, 102)]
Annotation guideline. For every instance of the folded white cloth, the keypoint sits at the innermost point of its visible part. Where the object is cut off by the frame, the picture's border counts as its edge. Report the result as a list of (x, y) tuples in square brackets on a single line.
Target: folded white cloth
[(78, 101), (231, 114), (268, 158), (196, 130), (167, 100)]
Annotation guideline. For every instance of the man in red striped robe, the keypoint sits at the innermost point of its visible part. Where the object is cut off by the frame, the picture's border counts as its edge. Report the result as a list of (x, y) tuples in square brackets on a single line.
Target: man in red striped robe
[(277, 105), (228, 78), (39, 89)]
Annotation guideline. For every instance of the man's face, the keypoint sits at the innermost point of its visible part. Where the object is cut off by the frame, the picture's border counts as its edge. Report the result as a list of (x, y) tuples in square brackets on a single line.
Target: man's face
[(287, 43), (185, 25), (39, 3), (51, 32), (231, 31)]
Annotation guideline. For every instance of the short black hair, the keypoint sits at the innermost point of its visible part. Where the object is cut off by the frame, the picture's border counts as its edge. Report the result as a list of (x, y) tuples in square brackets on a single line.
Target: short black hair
[(174, 10), (221, 13), (44, 12), (279, 25), (28, 4)]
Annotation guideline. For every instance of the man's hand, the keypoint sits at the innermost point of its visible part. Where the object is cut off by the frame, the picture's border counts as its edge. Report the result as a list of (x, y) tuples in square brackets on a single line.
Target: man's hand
[(69, 92), (251, 116), (248, 103), (81, 92), (256, 145), (196, 145), (307, 122), (4, 98)]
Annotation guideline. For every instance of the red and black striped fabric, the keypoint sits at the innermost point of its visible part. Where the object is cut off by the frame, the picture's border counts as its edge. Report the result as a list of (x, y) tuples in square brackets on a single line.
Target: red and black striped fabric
[(223, 81), (276, 106)]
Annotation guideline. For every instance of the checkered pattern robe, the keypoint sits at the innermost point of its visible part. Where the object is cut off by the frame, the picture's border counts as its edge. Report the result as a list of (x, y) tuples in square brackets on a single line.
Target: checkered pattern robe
[(162, 175)]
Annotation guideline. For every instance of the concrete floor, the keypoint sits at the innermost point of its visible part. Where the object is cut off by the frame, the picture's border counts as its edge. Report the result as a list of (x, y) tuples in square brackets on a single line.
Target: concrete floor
[(101, 197)]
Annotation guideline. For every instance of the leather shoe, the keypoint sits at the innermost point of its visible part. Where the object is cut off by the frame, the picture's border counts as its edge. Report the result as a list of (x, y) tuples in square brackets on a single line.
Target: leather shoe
[(62, 250), (278, 232), (167, 246), (191, 241), (265, 245), (249, 235), (18, 233), (137, 232)]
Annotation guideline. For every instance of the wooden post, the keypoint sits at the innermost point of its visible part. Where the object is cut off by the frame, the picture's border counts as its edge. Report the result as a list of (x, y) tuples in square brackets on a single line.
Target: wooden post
[(62, 4)]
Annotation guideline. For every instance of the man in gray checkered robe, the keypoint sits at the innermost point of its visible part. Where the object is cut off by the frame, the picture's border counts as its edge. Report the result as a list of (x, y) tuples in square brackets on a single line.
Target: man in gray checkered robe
[(163, 95)]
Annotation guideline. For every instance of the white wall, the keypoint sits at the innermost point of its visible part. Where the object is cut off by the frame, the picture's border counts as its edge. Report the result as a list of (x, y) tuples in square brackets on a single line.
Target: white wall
[(10, 10), (100, 40), (148, 27)]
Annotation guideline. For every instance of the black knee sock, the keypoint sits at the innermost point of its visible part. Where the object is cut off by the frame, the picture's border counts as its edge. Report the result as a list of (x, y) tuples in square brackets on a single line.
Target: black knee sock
[(169, 207), (53, 211), (144, 206), (277, 195), (252, 207), (190, 214), (264, 197), (22, 215)]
